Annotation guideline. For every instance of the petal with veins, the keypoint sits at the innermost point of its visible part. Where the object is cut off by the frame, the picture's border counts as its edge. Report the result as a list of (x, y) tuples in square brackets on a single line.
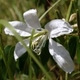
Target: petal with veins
[(61, 56), (20, 25), (22, 28), (31, 18), (58, 27), (21, 33), (19, 49)]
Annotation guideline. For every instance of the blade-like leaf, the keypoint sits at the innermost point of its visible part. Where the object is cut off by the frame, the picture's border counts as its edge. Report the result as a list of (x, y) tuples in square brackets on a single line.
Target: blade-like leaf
[(78, 51)]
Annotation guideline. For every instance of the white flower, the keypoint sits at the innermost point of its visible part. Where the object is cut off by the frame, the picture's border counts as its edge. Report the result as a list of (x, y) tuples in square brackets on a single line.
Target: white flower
[(55, 28)]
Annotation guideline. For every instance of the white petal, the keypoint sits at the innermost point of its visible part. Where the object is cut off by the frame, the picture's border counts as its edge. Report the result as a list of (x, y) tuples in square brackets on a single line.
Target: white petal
[(61, 56), (20, 32), (31, 18), (22, 28), (20, 25), (19, 49), (15, 56), (58, 27)]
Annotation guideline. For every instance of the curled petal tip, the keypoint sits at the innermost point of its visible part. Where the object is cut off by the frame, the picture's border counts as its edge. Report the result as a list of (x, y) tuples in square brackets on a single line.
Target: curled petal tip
[(58, 27)]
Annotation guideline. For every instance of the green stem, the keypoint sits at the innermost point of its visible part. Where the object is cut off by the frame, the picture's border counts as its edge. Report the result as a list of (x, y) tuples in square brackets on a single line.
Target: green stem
[(66, 76), (30, 60), (4, 59), (49, 10), (43, 32), (31, 38), (69, 10), (40, 33)]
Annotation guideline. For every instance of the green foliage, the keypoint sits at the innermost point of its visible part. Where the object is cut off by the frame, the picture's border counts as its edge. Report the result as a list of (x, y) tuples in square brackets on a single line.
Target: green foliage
[(72, 44), (41, 67), (22, 77), (45, 54), (9, 54)]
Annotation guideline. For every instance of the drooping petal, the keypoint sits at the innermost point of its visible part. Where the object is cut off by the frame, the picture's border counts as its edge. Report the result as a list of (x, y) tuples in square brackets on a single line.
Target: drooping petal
[(19, 49), (58, 27), (61, 56), (31, 18), (20, 27)]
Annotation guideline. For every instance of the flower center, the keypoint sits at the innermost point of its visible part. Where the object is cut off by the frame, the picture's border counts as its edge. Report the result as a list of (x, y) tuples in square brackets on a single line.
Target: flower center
[(38, 44), (42, 32)]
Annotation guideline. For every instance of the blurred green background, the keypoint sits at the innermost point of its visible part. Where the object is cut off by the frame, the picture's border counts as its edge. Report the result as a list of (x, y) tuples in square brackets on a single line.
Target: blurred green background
[(12, 10)]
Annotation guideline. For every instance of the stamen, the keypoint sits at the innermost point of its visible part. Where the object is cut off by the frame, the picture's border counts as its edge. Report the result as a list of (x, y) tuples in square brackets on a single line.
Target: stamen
[(39, 43)]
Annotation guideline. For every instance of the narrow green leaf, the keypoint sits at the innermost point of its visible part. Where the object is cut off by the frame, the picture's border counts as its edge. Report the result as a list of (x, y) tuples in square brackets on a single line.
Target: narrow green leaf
[(78, 50), (49, 10), (69, 10), (30, 59), (17, 11)]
